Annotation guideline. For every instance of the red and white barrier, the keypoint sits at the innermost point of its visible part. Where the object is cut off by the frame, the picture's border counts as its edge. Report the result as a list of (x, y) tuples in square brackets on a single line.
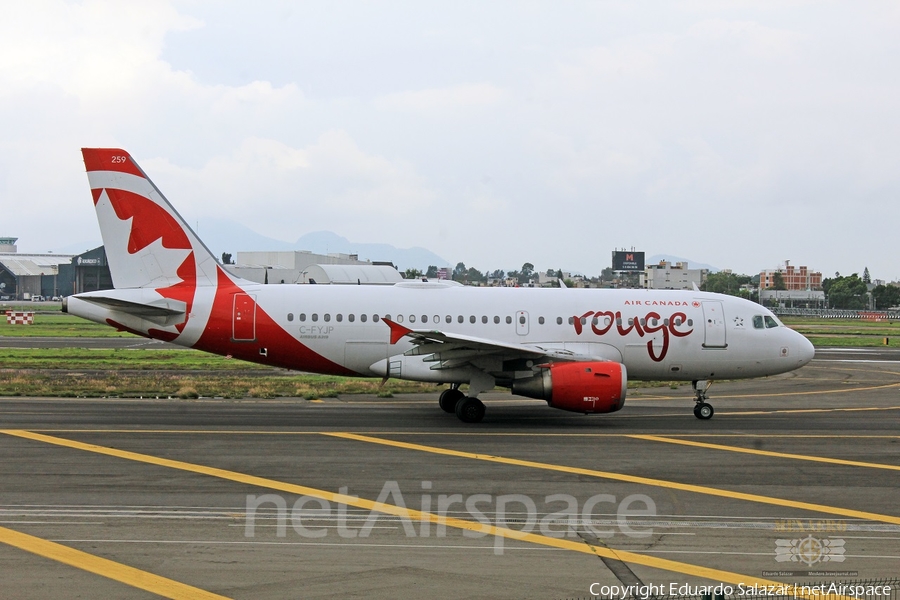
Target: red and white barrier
[(16, 317)]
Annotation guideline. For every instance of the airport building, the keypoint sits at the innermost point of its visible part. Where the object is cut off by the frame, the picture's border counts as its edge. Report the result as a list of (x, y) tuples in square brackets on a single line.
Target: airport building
[(301, 266), (668, 276)]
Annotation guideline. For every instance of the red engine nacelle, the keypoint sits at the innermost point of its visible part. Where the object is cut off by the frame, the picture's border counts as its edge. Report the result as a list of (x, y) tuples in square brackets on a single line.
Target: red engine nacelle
[(585, 387)]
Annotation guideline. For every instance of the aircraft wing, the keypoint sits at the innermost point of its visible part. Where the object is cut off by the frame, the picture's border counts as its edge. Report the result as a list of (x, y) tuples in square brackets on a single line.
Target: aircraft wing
[(452, 349)]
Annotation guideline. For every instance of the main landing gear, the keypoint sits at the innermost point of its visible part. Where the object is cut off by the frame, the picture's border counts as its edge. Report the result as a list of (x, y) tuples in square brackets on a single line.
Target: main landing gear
[(702, 409), (468, 410)]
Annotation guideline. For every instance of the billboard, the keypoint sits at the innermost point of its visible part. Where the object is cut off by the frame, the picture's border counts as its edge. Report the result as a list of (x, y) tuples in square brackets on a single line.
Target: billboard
[(623, 260)]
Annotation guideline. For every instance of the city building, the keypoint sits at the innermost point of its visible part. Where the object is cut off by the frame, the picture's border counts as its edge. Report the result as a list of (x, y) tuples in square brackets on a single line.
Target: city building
[(794, 278), (668, 276)]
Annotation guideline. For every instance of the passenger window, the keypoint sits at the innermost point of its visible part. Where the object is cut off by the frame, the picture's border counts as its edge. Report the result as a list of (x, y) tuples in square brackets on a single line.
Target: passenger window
[(459, 319), (541, 320), (484, 319), (690, 322), (643, 322), (363, 317), (771, 322), (571, 320), (375, 318), (471, 318), (399, 318), (758, 322), (559, 320), (350, 317), (290, 316), (584, 320), (301, 317), (496, 320), (437, 319), (339, 317), (449, 319), (327, 317), (412, 318), (522, 320), (315, 317), (509, 320)]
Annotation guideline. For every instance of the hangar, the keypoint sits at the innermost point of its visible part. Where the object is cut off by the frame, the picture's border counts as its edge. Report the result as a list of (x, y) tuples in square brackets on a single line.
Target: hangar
[(26, 276)]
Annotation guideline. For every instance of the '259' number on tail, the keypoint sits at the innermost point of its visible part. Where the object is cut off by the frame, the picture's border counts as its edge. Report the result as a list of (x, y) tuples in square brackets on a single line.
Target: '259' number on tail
[(118, 160)]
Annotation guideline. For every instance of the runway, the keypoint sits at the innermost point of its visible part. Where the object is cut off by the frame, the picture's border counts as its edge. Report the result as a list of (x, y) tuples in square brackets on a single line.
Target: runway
[(277, 498)]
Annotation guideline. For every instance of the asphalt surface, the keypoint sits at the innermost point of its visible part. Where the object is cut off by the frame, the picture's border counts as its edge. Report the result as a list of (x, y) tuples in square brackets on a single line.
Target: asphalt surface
[(133, 499)]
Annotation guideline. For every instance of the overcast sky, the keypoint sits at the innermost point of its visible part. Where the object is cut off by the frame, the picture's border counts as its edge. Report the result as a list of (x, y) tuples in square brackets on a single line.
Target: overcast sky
[(738, 134)]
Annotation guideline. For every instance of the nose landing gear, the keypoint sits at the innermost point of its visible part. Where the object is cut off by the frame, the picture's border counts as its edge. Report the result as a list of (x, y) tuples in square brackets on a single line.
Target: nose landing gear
[(702, 409)]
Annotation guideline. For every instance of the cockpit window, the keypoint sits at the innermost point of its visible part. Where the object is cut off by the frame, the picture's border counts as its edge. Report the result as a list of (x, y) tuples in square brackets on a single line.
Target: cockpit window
[(758, 322), (771, 322)]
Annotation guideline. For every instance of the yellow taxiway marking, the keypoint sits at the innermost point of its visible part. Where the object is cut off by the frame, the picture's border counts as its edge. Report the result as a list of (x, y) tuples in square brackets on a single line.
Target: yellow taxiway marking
[(699, 489), (835, 461), (143, 580), (271, 432), (399, 511), (842, 390)]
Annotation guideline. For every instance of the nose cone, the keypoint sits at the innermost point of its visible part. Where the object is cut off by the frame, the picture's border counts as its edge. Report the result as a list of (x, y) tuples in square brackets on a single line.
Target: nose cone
[(805, 350)]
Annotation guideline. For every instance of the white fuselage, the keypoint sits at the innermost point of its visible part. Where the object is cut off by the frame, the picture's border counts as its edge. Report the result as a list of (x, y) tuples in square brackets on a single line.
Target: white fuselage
[(658, 335)]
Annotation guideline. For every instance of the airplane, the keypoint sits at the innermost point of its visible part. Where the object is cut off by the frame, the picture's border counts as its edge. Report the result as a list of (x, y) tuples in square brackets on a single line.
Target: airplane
[(574, 348)]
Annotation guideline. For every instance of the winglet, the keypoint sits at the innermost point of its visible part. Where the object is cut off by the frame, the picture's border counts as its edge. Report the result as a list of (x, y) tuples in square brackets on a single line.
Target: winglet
[(397, 331)]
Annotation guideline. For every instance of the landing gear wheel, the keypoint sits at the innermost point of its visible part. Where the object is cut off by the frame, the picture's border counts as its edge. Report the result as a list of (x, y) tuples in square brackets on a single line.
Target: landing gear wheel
[(449, 399), (704, 411), (470, 410)]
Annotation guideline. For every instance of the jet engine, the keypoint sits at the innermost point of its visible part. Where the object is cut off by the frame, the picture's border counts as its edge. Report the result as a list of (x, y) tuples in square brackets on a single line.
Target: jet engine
[(585, 387)]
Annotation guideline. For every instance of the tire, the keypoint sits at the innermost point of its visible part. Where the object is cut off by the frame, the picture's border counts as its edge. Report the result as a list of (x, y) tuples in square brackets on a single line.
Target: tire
[(449, 399), (470, 410), (704, 411)]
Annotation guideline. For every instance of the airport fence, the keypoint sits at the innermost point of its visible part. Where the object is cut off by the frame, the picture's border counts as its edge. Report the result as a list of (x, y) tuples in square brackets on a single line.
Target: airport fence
[(833, 313), (861, 589)]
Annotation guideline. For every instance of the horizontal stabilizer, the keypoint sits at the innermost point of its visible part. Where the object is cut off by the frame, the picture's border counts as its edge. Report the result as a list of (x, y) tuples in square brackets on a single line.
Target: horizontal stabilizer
[(163, 312)]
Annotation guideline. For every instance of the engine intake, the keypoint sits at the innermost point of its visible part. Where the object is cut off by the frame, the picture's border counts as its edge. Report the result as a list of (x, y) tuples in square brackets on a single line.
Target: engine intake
[(585, 387)]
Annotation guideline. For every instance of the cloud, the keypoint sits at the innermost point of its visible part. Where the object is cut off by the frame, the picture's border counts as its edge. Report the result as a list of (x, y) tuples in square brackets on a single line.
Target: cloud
[(285, 191), (441, 101)]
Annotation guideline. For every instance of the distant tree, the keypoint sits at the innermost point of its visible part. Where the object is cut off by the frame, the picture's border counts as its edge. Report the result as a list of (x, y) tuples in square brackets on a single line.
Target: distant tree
[(526, 273), (866, 277), (412, 274), (778, 281), (607, 274), (726, 283), (226, 258), (845, 292), (513, 275), (473, 275), (432, 272), (459, 271), (886, 296), (498, 274)]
